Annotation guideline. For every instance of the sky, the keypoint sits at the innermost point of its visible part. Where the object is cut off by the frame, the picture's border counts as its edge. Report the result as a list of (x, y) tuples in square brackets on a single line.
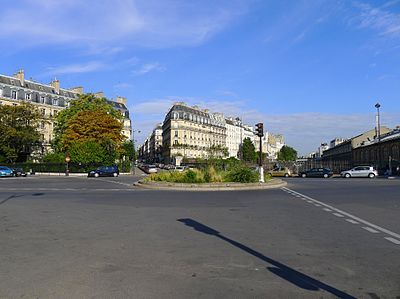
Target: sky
[(311, 70)]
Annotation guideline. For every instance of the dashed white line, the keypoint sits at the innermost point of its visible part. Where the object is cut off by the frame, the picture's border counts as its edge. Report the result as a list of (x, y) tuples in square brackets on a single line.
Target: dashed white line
[(338, 215), (317, 205), (326, 209), (393, 240), (343, 213), (352, 221), (371, 230)]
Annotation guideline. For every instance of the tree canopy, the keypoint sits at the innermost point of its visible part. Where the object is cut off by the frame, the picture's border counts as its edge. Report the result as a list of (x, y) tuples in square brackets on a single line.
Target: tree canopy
[(248, 151), (18, 131), (287, 153), (84, 103)]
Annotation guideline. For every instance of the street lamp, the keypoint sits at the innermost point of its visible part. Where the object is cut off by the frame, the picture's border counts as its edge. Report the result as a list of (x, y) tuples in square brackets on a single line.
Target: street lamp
[(378, 122)]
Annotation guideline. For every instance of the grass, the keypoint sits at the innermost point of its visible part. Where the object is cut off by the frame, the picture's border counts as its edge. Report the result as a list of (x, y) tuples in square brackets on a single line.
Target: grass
[(239, 174)]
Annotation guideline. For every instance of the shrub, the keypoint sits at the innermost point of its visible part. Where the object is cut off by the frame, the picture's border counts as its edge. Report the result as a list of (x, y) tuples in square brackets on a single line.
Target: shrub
[(242, 174)]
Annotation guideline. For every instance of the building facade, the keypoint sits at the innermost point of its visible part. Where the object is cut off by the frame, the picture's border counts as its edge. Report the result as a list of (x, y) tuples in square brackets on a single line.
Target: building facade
[(192, 133), (50, 99)]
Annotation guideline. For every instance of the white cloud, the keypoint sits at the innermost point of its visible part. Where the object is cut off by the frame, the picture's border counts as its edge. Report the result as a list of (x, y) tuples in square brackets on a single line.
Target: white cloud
[(76, 68), (96, 24), (385, 23), (149, 67)]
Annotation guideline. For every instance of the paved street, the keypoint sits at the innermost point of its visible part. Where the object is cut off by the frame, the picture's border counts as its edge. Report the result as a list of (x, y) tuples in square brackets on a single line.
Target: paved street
[(75, 237)]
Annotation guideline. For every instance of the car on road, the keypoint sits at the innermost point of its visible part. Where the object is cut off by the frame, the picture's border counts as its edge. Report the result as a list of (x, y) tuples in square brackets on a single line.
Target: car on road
[(104, 171), (150, 169), (316, 173), (6, 171), (19, 172), (280, 172), (179, 168), (360, 172)]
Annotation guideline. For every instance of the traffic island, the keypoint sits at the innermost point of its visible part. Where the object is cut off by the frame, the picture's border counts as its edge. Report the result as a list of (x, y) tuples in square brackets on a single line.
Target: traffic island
[(270, 184)]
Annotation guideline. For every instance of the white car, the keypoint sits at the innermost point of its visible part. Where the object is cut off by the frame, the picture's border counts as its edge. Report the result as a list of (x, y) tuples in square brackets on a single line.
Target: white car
[(360, 172), (179, 168), (151, 169)]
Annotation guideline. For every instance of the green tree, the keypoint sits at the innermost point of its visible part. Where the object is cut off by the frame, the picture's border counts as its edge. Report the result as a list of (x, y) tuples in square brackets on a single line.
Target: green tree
[(128, 151), (90, 152), (248, 151), (87, 102), (287, 153), (18, 131)]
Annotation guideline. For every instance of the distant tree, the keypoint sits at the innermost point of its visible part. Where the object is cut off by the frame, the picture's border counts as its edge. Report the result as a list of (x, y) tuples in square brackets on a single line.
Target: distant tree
[(18, 131), (287, 153), (248, 151)]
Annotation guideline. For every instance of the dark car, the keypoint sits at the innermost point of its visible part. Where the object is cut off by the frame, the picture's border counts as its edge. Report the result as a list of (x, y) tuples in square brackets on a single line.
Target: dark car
[(316, 173), (104, 171), (19, 172)]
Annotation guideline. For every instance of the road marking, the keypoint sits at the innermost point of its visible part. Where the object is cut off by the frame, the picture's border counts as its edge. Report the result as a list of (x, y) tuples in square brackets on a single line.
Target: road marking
[(379, 228), (352, 221), (338, 215), (326, 209), (393, 240), (371, 230), (317, 205)]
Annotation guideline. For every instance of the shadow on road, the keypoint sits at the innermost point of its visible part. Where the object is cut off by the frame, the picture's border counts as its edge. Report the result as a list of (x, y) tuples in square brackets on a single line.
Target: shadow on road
[(295, 277), (16, 196)]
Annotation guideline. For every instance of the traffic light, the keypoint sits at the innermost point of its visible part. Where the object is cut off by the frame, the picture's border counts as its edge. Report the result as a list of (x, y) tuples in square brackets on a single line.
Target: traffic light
[(260, 129)]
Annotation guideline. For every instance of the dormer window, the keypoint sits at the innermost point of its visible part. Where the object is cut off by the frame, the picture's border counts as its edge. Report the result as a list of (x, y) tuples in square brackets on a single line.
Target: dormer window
[(42, 98), (28, 96), (14, 94), (55, 102)]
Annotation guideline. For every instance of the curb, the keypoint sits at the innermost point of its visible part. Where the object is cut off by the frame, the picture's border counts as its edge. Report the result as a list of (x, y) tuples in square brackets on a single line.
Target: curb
[(273, 184)]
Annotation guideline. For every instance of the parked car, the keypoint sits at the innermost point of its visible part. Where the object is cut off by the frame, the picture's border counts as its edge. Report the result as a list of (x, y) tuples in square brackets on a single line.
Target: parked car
[(6, 171), (179, 168), (19, 172), (150, 169), (104, 171), (316, 173), (280, 172), (360, 172)]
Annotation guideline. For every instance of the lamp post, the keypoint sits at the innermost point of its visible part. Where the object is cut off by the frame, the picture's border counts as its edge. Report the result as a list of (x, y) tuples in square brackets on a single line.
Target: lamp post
[(134, 149), (378, 122)]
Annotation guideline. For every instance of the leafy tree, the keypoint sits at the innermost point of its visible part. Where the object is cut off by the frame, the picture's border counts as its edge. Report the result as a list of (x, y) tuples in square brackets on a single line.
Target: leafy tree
[(54, 157), (287, 153), (92, 125), (87, 102), (90, 152), (248, 151), (18, 131), (128, 150)]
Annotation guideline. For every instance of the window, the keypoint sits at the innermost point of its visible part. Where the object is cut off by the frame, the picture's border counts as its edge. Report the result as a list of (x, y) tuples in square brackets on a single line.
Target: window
[(14, 94), (176, 133), (43, 111), (42, 98), (55, 102), (55, 112), (42, 125), (28, 96)]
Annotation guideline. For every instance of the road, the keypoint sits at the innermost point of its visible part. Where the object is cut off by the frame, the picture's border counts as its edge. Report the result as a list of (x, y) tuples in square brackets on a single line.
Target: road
[(75, 237)]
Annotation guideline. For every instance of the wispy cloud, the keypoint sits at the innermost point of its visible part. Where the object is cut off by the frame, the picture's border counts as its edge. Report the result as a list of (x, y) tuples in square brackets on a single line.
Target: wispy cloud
[(76, 68), (379, 19), (149, 67), (96, 24)]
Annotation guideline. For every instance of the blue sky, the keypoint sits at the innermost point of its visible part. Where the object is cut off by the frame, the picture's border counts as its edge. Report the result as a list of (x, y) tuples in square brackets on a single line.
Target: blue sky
[(309, 69)]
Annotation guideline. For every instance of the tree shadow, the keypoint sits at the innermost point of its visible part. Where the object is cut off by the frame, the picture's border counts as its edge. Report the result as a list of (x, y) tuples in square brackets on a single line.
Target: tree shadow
[(295, 277)]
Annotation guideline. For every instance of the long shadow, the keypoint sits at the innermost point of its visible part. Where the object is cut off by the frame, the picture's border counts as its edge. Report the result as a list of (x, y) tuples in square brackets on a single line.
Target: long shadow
[(295, 277), (16, 196)]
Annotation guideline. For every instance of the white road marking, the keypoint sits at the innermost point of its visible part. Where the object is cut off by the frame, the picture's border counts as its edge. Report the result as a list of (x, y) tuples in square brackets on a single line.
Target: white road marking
[(338, 215), (371, 230), (309, 201), (393, 240), (317, 205), (328, 210), (352, 221), (379, 228)]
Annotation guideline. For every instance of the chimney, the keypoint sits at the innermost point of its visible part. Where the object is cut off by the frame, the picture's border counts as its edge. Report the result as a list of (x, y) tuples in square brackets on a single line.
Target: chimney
[(56, 85), (121, 100), (99, 94), (78, 90), (20, 75)]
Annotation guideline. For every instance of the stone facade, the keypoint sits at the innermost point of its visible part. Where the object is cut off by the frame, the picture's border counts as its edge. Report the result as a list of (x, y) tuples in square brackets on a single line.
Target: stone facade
[(49, 99)]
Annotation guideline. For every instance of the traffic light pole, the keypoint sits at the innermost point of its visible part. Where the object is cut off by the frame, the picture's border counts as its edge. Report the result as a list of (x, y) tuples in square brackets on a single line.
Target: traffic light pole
[(261, 164)]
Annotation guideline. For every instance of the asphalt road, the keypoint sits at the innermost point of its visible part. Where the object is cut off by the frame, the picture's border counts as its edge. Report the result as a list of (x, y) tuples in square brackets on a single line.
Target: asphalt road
[(75, 237)]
